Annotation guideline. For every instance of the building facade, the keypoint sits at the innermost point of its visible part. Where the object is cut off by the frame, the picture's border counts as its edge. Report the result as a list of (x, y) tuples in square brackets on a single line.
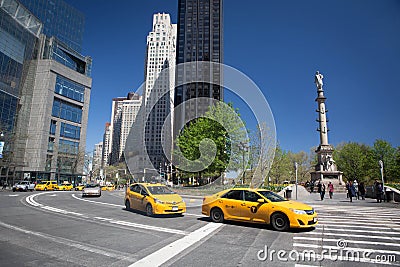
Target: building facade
[(19, 34), (60, 20), (106, 146), (123, 115), (97, 156), (54, 102), (200, 38), (159, 86)]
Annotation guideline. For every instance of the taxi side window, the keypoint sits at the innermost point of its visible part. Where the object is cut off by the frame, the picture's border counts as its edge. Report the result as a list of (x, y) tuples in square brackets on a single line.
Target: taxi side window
[(234, 194), (251, 196), (143, 191), (135, 188)]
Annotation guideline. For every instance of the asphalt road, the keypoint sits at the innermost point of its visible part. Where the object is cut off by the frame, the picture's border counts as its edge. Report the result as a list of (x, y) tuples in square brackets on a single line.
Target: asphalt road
[(62, 229)]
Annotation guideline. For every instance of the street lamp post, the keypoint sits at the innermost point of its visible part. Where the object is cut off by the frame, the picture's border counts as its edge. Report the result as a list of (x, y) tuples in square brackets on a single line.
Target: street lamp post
[(295, 168), (383, 182)]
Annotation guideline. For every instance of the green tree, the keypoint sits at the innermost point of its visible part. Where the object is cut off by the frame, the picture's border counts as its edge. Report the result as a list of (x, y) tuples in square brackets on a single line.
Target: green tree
[(354, 160), (383, 150), (218, 130), (282, 167)]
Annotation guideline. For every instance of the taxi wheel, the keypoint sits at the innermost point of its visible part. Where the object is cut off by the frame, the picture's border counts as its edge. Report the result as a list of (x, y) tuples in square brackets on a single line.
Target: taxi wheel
[(149, 210), (127, 205), (279, 222), (217, 215)]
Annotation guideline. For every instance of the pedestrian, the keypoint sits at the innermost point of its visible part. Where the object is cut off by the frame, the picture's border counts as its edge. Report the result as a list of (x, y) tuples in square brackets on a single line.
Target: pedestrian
[(319, 187), (347, 188), (330, 189), (355, 184), (361, 190), (351, 191), (379, 192), (322, 193), (312, 186)]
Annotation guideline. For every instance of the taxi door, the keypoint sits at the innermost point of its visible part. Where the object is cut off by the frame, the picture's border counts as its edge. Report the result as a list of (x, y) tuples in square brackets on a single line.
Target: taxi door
[(254, 211), (133, 195), (231, 204)]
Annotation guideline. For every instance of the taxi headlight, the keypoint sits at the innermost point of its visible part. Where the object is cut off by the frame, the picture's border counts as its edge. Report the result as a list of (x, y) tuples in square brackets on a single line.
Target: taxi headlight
[(158, 201), (298, 211)]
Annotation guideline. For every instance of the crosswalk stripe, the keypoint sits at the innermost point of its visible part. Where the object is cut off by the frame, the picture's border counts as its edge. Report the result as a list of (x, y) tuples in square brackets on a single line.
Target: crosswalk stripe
[(353, 235), (352, 226), (348, 249), (348, 241)]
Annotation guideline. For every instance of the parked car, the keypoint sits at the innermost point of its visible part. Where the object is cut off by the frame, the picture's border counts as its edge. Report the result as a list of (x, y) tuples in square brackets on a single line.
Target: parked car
[(153, 199), (91, 190), (64, 186), (23, 186), (258, 206), (46, 185)]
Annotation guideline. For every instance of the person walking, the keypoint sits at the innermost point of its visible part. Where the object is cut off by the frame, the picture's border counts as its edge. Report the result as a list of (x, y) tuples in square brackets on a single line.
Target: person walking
[(322, 193), (347, 189), (351, 191), (355, 184), (361, 190), (379, 192), (330, 190)]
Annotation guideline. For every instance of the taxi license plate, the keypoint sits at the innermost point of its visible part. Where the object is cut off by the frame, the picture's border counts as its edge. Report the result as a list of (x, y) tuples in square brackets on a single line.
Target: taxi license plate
[(174, 208), (314, 219)]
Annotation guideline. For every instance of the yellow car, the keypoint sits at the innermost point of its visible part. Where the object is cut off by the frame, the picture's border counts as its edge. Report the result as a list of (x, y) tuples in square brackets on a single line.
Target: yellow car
[(64, 186), (110, 187), (79, 187), (46, 185), (258, 206), (153, 199)]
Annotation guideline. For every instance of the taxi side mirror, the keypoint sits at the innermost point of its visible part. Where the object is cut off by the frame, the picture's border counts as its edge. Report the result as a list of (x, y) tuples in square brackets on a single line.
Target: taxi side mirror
[(261, 200)]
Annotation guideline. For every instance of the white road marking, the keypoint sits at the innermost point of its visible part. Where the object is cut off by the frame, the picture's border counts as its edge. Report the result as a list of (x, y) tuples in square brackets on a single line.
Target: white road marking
[(31, 201), (166, 253), (13, 195), (351, 249), (347, 241), (98, 202), (71, 243), (340, 235)]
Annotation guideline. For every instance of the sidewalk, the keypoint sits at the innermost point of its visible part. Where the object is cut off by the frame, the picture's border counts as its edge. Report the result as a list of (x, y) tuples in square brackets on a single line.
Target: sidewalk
[(340, 199)]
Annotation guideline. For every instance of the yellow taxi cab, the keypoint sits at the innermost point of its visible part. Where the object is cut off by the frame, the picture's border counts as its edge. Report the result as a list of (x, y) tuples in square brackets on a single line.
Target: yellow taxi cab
[(64, 186), (103, 187), (153, 199), (110, 187), (258, 206), (46, 185), (79, 187)]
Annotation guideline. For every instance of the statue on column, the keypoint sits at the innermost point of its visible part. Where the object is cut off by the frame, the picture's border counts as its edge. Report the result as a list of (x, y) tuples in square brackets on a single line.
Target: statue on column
[(318, 80)]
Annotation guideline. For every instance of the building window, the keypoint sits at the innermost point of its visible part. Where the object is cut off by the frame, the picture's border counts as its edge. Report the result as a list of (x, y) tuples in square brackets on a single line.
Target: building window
[(69, 89), (53, 126), (66, 111), (68, 147), (70, 131)]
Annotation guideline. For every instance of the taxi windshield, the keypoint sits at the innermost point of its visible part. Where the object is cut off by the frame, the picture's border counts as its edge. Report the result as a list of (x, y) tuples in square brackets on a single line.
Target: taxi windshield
[(272, 196), (43, 183), (160, 190)]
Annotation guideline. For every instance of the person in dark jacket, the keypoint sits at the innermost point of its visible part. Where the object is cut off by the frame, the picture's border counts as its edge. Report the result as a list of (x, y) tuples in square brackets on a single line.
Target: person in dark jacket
[(361, 190), (351, 191)]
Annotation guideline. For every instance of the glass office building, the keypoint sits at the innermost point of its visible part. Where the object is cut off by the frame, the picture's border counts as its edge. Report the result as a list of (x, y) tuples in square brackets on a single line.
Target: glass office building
[(56, 96), (60, 20), (19, 33), (200, 32)]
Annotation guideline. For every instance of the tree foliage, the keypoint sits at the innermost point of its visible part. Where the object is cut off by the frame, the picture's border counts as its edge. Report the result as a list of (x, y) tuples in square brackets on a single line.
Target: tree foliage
[(219, 125)]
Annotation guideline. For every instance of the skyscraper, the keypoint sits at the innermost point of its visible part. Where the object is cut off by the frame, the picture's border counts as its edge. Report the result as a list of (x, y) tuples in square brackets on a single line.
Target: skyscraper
[(124, 112), (19, 34), (60, 20), (200, 32), (159, 85), (55, 98), (106, 145)]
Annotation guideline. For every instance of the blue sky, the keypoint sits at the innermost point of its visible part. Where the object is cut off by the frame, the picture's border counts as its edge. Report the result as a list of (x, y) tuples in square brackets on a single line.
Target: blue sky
[(279, 44)]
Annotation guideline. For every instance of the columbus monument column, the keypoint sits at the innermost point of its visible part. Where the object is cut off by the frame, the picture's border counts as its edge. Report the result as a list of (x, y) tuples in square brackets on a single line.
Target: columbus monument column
[(326, 166)]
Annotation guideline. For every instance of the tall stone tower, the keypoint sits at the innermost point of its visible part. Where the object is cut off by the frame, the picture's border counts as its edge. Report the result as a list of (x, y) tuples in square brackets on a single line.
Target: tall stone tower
[(326, 167)]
